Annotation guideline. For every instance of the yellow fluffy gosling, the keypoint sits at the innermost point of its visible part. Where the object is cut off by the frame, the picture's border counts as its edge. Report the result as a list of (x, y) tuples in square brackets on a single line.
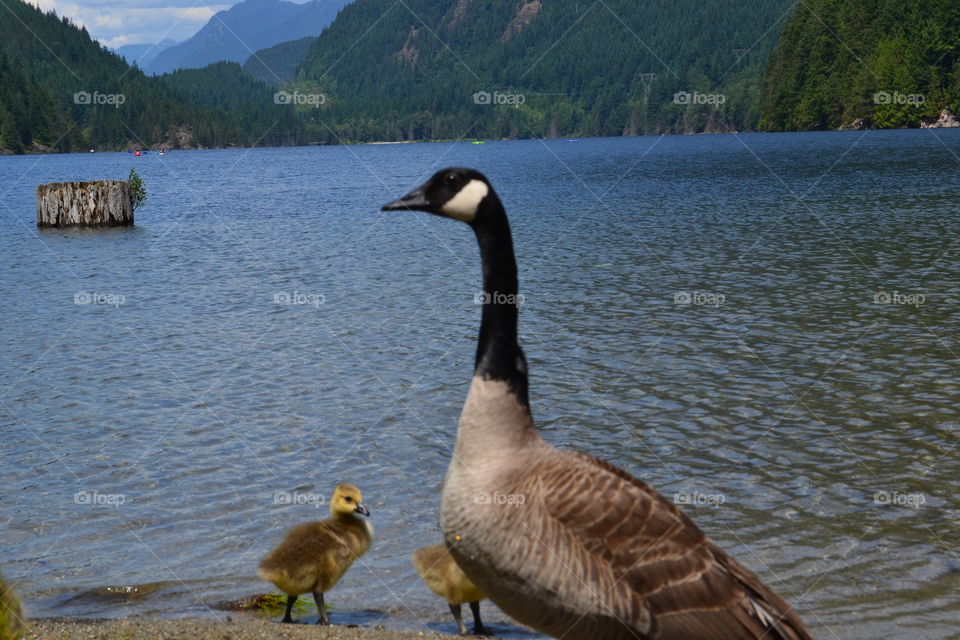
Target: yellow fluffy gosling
[(446, 579), (313, 556)]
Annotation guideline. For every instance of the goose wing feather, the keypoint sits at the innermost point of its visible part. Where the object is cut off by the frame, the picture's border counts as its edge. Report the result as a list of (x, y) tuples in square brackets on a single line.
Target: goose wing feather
[(648, 563)]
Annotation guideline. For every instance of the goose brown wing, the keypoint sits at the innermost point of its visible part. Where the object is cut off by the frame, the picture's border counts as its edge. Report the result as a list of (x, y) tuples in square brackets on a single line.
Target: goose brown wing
[(677, 582)]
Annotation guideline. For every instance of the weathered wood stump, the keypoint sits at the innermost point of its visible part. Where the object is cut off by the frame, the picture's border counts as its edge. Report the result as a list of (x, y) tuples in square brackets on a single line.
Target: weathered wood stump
[(104, 203)]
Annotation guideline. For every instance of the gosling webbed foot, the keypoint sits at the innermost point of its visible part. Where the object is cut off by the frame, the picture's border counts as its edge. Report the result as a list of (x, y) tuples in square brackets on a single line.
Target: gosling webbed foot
[(291, 600), (478, 628), (461, 628), (323, 620)]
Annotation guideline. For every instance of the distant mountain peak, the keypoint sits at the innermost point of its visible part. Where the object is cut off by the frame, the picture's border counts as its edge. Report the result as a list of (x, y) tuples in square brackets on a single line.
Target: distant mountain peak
[(234, 33)]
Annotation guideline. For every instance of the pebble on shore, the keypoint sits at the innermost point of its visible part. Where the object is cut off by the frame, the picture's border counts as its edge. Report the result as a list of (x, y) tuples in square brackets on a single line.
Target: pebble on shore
[(233, 628)]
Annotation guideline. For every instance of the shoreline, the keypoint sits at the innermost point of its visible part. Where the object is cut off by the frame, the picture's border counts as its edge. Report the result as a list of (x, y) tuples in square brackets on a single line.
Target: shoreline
[(840, 129), (232, 627)]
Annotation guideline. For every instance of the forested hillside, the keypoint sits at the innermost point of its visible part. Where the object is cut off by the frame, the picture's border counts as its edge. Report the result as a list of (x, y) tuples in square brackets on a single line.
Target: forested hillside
[(61, 91), (427, 68), (278, 64), (892, 61), (441, 69), (247, 104)]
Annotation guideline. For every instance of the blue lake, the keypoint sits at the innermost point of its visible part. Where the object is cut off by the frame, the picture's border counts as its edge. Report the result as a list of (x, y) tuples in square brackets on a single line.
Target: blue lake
[(764, 327)]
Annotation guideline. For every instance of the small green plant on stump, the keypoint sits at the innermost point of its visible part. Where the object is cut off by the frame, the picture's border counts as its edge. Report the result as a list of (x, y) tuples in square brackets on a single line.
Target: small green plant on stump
[(138, 193)]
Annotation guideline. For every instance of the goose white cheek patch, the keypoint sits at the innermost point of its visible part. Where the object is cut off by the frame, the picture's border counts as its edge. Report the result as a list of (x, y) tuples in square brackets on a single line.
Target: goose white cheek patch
[(463, 206)]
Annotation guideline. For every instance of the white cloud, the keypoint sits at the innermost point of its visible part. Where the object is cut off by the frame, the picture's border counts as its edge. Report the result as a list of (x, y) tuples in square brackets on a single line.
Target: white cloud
[(119, 22)]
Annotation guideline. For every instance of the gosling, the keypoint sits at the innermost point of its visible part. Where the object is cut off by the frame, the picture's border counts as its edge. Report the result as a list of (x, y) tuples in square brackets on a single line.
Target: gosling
[(314, 556), (446, 579)]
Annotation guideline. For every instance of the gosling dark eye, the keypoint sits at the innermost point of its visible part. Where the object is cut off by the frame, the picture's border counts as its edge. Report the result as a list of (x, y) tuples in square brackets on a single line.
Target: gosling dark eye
[(348, 499)]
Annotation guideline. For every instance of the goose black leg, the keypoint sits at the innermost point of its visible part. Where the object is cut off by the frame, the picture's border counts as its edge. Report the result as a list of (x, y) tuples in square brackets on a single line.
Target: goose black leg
[(478, 628), (455, 610), (291, 600), (318, 598)]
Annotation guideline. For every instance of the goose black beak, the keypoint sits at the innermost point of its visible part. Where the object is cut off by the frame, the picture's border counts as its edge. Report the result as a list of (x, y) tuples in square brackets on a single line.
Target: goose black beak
[(362, 509), (415, 200)]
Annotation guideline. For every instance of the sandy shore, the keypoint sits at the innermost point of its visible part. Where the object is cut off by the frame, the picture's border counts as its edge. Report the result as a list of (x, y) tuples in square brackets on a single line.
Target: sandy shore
[(237, 628)]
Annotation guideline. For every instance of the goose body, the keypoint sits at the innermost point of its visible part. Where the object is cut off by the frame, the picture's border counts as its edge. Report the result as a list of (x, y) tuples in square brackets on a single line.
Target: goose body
[(314, 556), (445, 578), (563, 542)]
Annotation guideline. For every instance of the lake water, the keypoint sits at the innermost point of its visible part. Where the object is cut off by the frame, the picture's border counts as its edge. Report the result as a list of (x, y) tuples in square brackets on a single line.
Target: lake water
[(764, 327)]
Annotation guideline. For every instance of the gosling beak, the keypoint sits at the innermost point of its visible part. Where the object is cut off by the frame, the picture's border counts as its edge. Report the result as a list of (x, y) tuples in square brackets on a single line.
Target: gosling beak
[(416, 199), (362, 509)]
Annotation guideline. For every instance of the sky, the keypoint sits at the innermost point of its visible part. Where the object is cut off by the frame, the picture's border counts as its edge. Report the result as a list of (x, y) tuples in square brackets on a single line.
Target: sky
[(119, 22)]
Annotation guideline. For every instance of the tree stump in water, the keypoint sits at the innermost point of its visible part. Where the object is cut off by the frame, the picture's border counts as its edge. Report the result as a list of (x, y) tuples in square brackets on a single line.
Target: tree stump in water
[(104, 203)]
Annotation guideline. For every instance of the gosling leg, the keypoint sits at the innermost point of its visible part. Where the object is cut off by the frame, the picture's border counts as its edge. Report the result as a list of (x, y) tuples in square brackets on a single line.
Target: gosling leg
[(478, 628), (455, 610), (291, 600), (318, 598)]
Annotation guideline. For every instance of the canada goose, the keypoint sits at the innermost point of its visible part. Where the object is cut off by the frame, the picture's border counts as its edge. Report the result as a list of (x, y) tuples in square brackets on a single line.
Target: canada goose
[(564, 542), (440, 572), (313, 556)]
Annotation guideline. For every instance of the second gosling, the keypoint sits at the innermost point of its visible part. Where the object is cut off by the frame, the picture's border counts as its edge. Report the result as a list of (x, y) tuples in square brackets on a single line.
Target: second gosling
[(446, 579), (314, 556)]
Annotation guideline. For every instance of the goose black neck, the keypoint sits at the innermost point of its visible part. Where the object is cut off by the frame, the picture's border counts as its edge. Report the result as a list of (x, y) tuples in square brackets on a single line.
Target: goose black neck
[(499, 356)]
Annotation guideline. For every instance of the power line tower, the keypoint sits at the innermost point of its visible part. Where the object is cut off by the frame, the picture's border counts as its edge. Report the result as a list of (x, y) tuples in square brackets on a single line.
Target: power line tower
[(646, 81)]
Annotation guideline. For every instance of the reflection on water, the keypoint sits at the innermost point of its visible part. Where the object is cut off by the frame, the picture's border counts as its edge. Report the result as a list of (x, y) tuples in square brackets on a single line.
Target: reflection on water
[(763, 327)]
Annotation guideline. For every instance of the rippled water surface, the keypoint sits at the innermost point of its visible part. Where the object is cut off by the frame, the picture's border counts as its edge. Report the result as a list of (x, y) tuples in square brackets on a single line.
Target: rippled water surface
[(762, 326)]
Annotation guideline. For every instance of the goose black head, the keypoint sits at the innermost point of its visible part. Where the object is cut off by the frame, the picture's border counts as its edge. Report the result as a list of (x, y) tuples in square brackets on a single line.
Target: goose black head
[(456, 193)]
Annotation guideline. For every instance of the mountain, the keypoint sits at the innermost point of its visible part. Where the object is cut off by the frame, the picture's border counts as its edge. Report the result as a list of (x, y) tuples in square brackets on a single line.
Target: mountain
[(244, 28), (143, 54), (278, 64), (522, 68), (62, 91), (892, 61)]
